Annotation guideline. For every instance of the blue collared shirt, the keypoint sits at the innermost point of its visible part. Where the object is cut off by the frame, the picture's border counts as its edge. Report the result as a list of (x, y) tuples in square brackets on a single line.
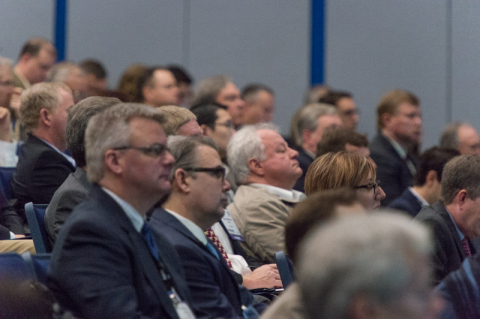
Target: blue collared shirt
[(132, 214)]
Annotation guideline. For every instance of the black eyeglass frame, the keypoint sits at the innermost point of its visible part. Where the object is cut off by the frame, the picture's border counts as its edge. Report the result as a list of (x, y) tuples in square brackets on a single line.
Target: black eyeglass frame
[(213, 171), (369, 186), (154, 150)]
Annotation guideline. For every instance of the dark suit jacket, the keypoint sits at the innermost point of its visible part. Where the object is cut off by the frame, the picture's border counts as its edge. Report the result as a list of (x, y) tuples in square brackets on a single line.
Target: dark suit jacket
[(392, 170), (71, 193), (9, 219), (101, 267), (304, 161), (215, 291), (449, 252), (40, 172), (407, 202)]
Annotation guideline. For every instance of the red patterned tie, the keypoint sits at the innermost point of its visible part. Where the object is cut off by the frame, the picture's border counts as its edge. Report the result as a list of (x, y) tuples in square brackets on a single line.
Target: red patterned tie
[(466, 246), (211, 235)]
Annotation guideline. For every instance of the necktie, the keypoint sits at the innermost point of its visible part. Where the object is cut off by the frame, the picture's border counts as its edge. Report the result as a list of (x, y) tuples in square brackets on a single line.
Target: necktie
[(211, 235), (466, 246), (150, 240)]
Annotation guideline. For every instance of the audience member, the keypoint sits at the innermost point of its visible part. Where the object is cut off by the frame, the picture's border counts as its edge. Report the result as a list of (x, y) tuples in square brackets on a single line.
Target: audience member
[(129, 272), (455, 218), (462, 137), (128, 84), (313, 211), (400, 129), (367, 266), (95, 75), (307, 128), (259, 104), (157, 87), (315, 93), (184, 83), (220, 89), (8, 146), (42, 164), (76, 187), (345, 169), (347, 110), (196, 203), (73, 76), (427, 185), (266, 170), (180, 121)]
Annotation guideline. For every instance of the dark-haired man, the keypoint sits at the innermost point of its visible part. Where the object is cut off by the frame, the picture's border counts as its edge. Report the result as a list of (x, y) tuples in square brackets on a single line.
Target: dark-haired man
[(347, 110), (259, 103), (158, 87)]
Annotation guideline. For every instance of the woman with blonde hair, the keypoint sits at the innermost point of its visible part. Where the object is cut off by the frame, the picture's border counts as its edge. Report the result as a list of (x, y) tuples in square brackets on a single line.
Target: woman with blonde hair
[(345, 169)]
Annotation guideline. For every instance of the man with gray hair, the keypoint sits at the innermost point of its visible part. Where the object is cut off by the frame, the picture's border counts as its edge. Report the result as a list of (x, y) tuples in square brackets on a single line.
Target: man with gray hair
[(307, 127), (455, 218), (106, 262), (73, 76), (462, 137), (367, 266), (266, 170), (8, 147), (76, 186), (220, 89)]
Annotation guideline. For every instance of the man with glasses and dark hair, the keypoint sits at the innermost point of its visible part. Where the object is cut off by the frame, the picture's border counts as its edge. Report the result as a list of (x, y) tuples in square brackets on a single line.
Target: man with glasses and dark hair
[(197, 201)]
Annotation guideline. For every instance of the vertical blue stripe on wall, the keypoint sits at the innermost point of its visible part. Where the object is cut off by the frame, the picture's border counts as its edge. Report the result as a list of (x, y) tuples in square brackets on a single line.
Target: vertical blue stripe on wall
[(61, 28), (318, 39)]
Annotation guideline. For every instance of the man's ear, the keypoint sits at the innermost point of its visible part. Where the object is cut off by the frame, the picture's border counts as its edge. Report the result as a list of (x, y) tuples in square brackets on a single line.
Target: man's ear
[(206, 131), (46, 117), (180, 179), (461, 197), (386, 119), (256, 167), (431, 178), (147, 93), (113, 161)]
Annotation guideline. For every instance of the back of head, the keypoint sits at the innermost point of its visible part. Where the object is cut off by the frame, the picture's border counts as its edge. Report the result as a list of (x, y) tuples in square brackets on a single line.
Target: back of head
[(37, 97), (335, 139), (175, 117), (376, 257), (244, 145), (249, 92), (332, 97), (34, 45), (306, 119), (461, 172), (449, 138), (390, 102), (78, 117), (94, 67), (180, 74), (128, 83), (433, 159), (110, 129), (207, 90), (316, 209), (207, 113), (335, 170)]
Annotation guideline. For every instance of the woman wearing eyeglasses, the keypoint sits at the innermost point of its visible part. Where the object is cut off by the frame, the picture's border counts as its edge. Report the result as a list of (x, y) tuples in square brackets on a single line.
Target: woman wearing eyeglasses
[(345, 169)]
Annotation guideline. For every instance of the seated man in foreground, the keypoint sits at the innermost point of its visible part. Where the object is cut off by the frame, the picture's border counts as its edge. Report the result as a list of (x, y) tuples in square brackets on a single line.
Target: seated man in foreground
[(106, 262)]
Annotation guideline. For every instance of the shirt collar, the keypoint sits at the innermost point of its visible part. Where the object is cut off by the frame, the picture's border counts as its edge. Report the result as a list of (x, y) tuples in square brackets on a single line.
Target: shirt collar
[(191, 226), (400, 150), (132, 214), (22, 79), (311, 154), (460, 234), (418, 196), (69, 158), (291, 196)]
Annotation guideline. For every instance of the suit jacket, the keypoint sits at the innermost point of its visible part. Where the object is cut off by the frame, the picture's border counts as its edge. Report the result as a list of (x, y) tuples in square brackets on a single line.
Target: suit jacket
[(215, 291), (9, 219), (101, 266), (40, 172), (304, 161), (407, 202), (449, 252), (392, 170), (71, 193)]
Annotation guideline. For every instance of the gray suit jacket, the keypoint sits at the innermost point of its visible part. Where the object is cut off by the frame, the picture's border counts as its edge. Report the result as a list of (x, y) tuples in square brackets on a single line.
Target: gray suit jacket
[(71, 193)]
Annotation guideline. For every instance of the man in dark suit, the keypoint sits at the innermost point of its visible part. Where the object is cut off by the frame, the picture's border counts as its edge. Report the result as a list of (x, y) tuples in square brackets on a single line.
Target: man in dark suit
[(42, 164), (197, 202), (400, 131), (455, 218), (106, 262), (76, 186), (427, 182)]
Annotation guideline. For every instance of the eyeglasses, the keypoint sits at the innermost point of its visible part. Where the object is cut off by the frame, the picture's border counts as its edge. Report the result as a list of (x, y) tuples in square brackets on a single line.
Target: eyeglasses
[(227, 124), (369, 186), (218, 172), (154, 150)]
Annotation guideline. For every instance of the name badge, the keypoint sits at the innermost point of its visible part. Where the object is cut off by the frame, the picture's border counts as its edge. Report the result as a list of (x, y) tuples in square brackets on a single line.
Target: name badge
[(250, 312), (184, 311), (231, 227)]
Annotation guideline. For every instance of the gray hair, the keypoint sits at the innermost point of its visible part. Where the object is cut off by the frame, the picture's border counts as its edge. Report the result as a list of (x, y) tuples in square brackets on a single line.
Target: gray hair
[(78, 117), (449, 138), (110, 129), (244, 145), (207, 90), (461, 172), (306, 119), (5, 62), (371, 254), (60, 71), (184, 150)]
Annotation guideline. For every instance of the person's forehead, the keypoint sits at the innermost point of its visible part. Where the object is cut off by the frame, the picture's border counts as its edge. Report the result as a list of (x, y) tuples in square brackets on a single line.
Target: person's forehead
[(45, 55), (327, 120), (143, 129), (346, 103), (163, 76), (229, 89), (467, 132), (270, 137), (406, 107), (223, 114), (207, 156)]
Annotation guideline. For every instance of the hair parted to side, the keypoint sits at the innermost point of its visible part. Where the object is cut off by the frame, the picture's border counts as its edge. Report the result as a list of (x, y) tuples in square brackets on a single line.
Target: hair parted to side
[(374, 254), (207, 90), (244, 145), (334, 140), (335, 170), (110, 129), (390, 102), (306, 119), (461, 172), (175, 117), (39, 96)]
